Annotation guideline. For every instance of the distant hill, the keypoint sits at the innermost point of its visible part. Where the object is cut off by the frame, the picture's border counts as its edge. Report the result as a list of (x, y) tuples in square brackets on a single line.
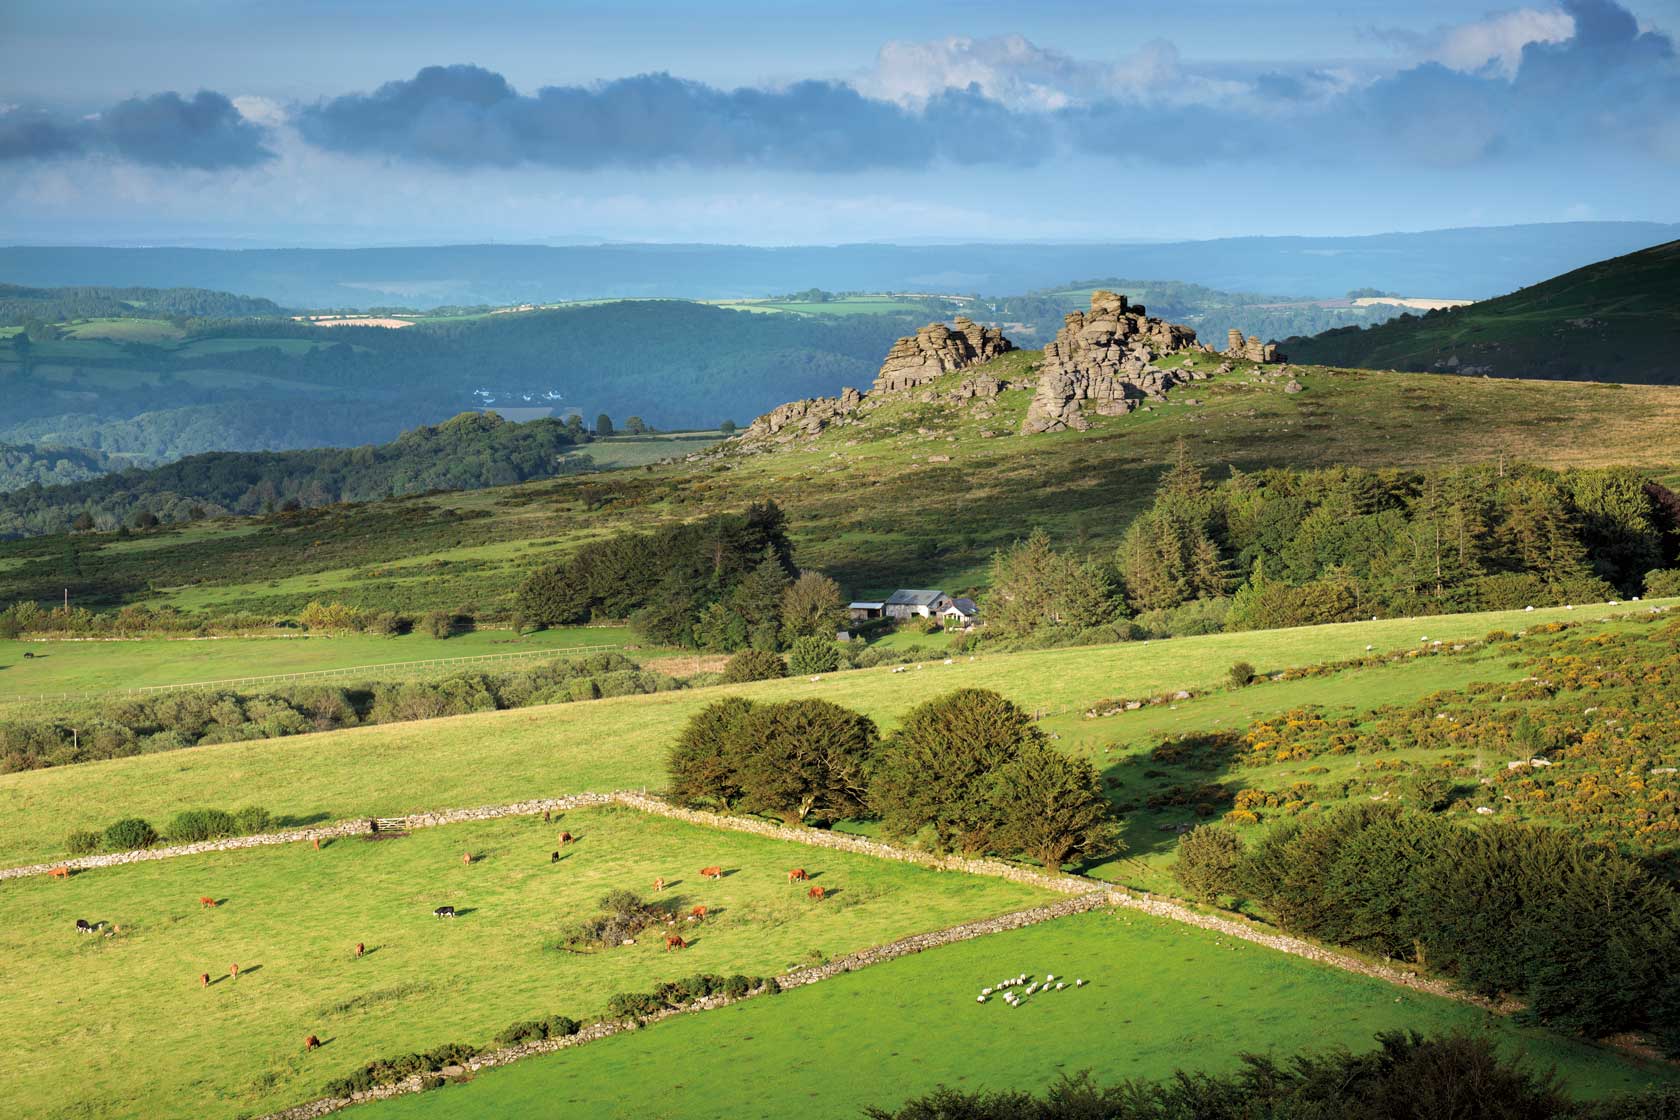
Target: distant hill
[(19, 305), (469, 452), (1462, 263), (26, 464), (1616, 320)]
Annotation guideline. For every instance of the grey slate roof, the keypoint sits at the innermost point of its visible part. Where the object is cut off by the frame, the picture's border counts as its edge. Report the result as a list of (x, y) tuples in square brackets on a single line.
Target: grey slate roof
[(914, 598)]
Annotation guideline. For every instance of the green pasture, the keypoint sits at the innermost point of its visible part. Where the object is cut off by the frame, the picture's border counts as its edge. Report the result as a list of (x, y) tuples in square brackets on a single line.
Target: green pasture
[(116, 664), (150, 1042), (498, 757), (1161, 997), (615, 452), (125, 330)]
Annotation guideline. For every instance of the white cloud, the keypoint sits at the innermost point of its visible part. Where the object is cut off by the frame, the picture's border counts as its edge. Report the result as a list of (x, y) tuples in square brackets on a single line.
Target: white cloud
[(1496, 41), (1013, 70)]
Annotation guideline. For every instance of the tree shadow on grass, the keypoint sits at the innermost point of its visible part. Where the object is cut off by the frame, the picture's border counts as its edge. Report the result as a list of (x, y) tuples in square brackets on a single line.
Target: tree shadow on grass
[(1165, 791), (289, 820)]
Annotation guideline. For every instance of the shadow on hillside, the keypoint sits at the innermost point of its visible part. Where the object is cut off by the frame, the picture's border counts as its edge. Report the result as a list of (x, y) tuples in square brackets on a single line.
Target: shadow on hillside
[(1166, 791)]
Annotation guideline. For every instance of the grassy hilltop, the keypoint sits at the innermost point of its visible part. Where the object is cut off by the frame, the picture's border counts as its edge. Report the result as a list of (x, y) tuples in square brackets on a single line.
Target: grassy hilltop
[(1616, 320), (867, 503)]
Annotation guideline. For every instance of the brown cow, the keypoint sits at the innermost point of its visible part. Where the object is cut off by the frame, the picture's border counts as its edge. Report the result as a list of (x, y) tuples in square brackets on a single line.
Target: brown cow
[(204, 979), (816, 893), (233, 971), (317, 843), (466, 859), (711, 873), (565, 838), (310, 1043), (547, 816), (207, 902), (697, 913), (658, 885), (674, 941), (360, 949), (60, 873), (798, 875)]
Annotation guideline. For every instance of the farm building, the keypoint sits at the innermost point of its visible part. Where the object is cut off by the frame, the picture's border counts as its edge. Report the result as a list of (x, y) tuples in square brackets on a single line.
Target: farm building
[(916, 604), (959, 612), (863, 611)]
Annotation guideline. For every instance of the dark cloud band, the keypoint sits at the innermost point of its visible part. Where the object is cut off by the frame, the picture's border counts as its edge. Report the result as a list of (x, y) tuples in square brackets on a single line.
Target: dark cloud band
[(164, 130)]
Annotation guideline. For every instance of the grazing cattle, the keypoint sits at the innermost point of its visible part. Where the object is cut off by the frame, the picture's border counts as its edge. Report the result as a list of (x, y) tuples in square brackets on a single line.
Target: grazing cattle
[(674, 941), (565, 838), (444, 912), (204, 979), (547, 816), (60, 873), (466, 859), (360, 949), (697, 913), (798, 875), (233, 971), (310, 1043), (816, 893), (553, 857), (317, 843), (207, 902), (658, 885), (711, 873)]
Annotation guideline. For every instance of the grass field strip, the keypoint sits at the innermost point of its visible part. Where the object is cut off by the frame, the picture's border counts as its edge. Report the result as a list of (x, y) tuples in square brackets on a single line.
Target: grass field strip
[(1062, 883), (812, 974), (380, 669)]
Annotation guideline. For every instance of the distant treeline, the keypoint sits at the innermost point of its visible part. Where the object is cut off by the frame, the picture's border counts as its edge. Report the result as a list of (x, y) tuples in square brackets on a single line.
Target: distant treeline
[(22, 305), (1291, 548), (469, 452), (26, 464)]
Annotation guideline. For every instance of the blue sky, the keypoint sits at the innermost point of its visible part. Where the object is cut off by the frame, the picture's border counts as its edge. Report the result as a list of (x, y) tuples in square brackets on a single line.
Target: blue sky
[(260, 122)]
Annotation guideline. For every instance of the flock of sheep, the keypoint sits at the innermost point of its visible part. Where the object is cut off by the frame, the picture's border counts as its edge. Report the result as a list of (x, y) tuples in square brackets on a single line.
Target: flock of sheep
[(1005, 990)]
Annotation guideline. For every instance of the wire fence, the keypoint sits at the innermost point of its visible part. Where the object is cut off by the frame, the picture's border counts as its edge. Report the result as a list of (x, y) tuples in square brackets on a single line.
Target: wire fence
[(386, 670)]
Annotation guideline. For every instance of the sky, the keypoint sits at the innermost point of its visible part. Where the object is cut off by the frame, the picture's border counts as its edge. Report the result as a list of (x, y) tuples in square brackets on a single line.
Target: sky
[(262, 122)]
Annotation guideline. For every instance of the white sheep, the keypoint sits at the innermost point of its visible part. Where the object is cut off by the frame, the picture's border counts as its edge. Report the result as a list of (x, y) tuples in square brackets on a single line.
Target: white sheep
[(1049, 976), (1060, 985), (985, 991), (979, 999), (1079, 983)]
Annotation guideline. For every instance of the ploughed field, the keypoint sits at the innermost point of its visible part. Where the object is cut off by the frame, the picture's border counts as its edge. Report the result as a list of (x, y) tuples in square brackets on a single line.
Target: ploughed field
[(507, 756), (1162, 996), (149, 1041)]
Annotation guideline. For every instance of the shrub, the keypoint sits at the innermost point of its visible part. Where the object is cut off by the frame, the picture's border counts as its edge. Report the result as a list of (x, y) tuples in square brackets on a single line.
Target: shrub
[(192, 825), (129, 834), (388, 1071), (1429, 792), (252, 819), (439, 624), (1663, 582), (754, 665), (1240, 674), (536, 1030), (1208, 861), (813, 654), (388, 623), (82, 843)]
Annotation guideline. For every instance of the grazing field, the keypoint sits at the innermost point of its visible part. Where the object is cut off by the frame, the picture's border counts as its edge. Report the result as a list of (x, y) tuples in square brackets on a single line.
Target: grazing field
[(101, 666), (618, 451), (1162, 997), (151, 1042), (499, 757)]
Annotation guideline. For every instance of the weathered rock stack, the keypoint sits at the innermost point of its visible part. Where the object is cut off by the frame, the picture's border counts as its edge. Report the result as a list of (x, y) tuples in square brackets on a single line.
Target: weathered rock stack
[(796, 418), (937, 349), (1106, 356), (1249, 349)]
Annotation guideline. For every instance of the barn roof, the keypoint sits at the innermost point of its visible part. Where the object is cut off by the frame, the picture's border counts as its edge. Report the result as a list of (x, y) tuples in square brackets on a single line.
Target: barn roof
[(966, 606), (861, 605), (914, 598)]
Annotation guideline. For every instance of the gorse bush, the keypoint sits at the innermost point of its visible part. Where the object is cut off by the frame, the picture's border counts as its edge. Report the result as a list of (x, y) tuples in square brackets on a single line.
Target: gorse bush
[(129, 834), (82, 843), (1209, 860), (389, 1071), (537, 1030), (754, 665), (192, 825), (1240, 675), (677, 994)]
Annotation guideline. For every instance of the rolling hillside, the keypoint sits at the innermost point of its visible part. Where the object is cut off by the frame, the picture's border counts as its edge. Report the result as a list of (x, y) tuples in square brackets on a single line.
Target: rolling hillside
[(1617, 320)]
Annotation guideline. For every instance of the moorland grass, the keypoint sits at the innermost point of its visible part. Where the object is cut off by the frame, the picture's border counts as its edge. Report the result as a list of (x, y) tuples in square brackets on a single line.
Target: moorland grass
[(500, 757), (102, 666), (1163, 997), (150, 1042), (1084, 487)]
